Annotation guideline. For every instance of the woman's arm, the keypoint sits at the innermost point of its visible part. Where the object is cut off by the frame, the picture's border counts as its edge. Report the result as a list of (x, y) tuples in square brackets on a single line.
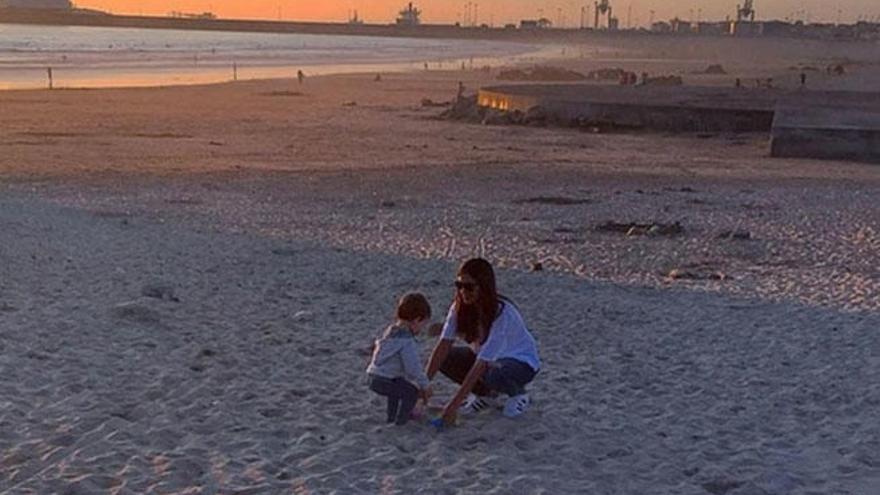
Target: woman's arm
[(438, 355), (473, 376)]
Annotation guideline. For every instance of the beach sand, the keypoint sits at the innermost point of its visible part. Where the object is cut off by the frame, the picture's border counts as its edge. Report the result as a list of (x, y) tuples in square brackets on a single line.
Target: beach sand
[(192, 276)]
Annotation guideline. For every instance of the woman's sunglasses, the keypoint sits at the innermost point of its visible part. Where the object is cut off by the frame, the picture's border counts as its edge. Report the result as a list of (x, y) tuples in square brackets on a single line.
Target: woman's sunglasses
[(468, 286)]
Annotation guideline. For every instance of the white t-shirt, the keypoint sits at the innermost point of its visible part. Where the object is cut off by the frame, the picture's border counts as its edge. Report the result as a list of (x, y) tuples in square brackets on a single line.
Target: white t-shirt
[(508, 337)]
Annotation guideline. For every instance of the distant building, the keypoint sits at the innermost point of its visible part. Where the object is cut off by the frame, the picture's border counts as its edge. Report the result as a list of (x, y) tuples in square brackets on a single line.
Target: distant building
[(681, 27), (713, 28), (661, 27), (188, 15), (410, 16), (542, 23), (36, 4), (746, 29), (778, 29), (867, 30)]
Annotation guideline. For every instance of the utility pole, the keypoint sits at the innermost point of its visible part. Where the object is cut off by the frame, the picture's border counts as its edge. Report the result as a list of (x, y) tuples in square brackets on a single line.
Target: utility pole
[(629, 13)]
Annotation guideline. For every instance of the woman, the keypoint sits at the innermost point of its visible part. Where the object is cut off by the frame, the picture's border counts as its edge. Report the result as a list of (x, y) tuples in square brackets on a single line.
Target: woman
[(501, 356)]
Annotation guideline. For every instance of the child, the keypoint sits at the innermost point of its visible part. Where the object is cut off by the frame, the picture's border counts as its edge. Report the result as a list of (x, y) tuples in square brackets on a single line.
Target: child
[(395, 364)]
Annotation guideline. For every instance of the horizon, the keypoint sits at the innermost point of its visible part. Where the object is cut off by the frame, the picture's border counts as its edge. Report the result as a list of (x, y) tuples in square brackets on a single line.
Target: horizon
[(562, 13)]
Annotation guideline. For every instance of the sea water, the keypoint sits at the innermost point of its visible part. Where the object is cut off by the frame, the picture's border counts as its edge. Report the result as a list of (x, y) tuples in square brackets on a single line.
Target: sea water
[(117, 57)]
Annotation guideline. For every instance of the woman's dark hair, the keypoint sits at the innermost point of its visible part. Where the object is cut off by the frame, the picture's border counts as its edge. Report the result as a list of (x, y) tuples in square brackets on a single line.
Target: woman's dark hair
[(413, 306), (473, 321)]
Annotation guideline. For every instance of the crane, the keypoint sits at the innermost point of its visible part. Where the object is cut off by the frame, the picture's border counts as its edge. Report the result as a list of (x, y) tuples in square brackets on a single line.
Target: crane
[(746, 11)]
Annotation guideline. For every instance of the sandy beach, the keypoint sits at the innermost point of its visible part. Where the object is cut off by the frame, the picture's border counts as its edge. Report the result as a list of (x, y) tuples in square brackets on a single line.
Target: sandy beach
[(191, 277)]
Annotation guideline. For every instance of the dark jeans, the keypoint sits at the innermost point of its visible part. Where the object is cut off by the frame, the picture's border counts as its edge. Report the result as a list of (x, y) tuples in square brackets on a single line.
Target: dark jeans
[(507, 376), (402, 396)]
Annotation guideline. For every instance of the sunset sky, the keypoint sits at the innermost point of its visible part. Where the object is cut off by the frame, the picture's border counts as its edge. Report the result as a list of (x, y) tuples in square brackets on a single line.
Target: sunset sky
[(635, 12)]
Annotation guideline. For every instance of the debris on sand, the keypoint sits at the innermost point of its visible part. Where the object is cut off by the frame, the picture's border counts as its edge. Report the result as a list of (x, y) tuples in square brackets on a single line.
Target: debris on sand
[(606, 74), (695, 273), (282, 93), (663, 81), (540, 73), (739, 235), (135, 311), (158, 290), (633, 229), (553, 200), (429, 103), (715, 69), (465, 108)]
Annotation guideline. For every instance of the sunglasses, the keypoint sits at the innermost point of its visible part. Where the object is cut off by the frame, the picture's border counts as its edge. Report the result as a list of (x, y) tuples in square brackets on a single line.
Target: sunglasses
[(468, 286)]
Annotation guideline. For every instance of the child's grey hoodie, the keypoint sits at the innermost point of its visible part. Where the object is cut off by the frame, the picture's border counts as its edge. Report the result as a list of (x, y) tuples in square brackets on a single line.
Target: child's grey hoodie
[(396, 355)]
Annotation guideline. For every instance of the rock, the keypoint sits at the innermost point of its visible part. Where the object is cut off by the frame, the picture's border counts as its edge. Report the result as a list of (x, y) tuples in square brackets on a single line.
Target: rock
[(633, 229), (429, 103), (136, 312), (740, 235), (553, 200), (540, 73), (495, 117), (535, 115), (303, 315), (721, 486), (606, 74), (464, 108), (159, 291), (537, 266), (663, 81), (695, 274)]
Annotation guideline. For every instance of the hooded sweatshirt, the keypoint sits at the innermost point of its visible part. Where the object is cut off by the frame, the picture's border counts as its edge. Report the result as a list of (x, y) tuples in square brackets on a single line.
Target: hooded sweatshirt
[(395, 355)]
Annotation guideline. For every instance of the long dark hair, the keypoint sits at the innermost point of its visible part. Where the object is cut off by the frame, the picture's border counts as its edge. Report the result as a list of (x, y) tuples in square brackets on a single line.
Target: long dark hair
[(473, 321)]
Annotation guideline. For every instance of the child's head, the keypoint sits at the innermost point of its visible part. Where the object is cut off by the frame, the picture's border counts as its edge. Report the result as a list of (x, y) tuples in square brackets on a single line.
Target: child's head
[(413, 308)]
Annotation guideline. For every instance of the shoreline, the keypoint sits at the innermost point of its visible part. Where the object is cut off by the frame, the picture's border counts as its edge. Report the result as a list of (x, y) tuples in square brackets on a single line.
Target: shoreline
[(201, 62)]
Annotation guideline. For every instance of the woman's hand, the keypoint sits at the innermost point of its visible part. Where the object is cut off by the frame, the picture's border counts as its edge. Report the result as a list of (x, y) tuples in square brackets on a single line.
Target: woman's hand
[(449, 416), (426, 393)]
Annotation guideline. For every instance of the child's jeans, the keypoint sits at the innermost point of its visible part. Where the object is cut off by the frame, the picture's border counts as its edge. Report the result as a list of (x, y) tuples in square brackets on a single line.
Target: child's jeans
[(402, 396)]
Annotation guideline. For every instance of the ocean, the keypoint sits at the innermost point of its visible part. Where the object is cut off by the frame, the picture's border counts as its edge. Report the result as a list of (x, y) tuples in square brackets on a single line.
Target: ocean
[(123, 57)]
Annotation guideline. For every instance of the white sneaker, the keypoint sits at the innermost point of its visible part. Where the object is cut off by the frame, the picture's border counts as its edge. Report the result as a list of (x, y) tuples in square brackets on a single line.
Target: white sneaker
[(516, 405), (474, 404)]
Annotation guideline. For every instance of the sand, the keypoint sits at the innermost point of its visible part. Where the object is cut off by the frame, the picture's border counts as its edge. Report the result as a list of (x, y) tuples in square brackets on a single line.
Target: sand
[(191, 277)]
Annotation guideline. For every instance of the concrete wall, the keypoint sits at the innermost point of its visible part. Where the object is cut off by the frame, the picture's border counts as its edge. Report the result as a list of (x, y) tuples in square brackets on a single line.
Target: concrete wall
[(833, 130), (676, 118)]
